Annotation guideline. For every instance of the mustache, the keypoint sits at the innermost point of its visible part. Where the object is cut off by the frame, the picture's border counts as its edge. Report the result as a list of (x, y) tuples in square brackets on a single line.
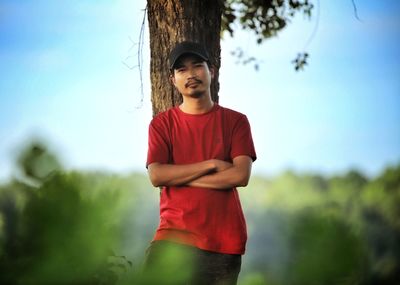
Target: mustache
[(193, 81)]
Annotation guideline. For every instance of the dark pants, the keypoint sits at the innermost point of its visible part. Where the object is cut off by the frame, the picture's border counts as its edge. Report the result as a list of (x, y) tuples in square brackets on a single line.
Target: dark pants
[(172, 263)]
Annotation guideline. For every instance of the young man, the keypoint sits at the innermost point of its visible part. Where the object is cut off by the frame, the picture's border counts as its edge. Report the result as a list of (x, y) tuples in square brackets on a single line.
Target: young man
[(199, 152)]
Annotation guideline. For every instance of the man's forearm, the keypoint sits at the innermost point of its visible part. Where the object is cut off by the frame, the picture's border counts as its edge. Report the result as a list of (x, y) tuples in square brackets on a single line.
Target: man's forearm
[(236, 176), (220, 180), (175, 175)]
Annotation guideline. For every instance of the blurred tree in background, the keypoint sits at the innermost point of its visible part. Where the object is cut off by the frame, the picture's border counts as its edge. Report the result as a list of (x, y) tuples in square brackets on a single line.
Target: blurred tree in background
[(59, 227), (70, 227)]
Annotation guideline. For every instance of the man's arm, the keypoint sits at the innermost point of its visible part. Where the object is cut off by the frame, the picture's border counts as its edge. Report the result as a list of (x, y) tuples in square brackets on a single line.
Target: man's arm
[(176, 175), (236, 176)]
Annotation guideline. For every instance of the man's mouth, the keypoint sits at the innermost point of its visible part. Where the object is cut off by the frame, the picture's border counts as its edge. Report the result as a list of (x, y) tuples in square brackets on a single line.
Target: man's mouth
[(192, 83)]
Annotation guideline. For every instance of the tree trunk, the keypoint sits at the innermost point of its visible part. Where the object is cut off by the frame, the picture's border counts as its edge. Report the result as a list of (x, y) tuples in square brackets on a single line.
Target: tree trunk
[(173, 21)]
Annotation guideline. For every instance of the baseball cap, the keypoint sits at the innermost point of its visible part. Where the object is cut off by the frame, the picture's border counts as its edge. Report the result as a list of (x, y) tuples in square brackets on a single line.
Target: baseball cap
[(187, 47)]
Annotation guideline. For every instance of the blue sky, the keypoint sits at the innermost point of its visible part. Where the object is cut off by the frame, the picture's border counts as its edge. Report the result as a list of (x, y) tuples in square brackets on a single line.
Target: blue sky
[(64, 77)]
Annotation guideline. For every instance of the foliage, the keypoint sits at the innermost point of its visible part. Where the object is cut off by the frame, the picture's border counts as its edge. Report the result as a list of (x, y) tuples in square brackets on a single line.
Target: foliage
[(310, 229), (36, 162), (93, 228), (265, 19), (300, 61), (67, 227)]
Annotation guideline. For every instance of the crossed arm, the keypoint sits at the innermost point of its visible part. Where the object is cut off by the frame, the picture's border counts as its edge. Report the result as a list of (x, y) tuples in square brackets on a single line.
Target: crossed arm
[(213, 173)]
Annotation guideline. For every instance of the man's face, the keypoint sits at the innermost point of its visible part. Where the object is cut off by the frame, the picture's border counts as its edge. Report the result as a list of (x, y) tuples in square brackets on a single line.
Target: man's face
[(192, 76)]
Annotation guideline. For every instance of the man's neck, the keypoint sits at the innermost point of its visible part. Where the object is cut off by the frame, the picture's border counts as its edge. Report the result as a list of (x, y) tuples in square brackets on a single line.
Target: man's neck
[(196, 105)]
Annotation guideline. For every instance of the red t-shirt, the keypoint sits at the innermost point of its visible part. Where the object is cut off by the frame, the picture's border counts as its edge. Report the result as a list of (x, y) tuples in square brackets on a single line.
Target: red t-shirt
[(209, 219)]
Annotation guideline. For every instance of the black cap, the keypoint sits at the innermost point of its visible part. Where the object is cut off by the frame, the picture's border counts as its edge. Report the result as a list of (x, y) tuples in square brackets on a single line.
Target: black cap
[(187, 48)]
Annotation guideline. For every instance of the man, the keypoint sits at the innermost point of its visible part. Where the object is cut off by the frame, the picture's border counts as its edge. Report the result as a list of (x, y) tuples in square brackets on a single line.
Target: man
[(199, 152)]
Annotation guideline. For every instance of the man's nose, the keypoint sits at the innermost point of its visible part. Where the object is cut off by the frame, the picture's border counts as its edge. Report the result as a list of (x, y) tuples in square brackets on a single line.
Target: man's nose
[(191, 73)]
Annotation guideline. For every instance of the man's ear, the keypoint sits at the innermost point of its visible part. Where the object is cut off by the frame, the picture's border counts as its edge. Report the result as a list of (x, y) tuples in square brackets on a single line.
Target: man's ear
[(212, 71)]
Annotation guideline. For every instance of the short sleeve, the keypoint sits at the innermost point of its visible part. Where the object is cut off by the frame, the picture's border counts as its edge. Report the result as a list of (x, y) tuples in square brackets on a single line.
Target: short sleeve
[(158, 142), (242, 140)]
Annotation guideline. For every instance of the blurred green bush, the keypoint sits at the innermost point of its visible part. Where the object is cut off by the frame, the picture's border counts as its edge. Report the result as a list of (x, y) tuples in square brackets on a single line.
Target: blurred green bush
[(70, 227)]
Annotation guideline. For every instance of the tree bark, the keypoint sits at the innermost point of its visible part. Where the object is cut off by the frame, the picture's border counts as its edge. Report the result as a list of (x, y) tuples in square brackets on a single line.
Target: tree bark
[(173, 21)]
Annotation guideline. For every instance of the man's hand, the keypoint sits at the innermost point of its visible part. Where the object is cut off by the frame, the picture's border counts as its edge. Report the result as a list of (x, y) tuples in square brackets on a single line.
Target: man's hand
[(236, 176), (221, 165), (177, 175)]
